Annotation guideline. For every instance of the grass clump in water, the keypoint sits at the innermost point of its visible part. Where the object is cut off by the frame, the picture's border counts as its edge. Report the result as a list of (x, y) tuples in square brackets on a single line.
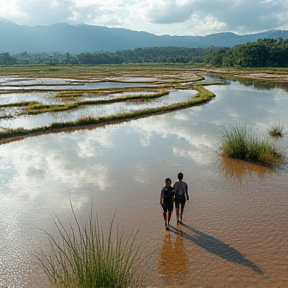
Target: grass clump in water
[(277, 130), (237, 142), (86, 257)]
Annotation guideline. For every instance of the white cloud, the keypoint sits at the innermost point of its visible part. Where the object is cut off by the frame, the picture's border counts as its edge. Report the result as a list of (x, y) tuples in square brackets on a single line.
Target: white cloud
[(174, 17), (11, 11)]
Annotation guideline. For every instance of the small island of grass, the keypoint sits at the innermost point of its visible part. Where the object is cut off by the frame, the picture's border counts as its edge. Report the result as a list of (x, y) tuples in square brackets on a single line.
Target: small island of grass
[(239, 143), (276, 130)]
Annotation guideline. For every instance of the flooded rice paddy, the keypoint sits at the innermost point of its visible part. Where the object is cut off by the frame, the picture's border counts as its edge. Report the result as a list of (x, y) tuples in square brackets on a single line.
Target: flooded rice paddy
[(33, 121), (60, 84), (236, 228)]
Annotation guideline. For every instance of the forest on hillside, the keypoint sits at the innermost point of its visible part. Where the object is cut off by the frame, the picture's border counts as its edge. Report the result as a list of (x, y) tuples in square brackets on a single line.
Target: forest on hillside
[(262, 53)]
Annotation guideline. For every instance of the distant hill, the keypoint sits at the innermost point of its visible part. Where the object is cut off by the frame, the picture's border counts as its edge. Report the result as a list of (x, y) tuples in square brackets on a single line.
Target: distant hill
[(75, 39)]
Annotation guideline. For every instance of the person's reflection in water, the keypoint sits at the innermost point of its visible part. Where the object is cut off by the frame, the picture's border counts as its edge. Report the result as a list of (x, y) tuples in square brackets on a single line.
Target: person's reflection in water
[(172, 260)]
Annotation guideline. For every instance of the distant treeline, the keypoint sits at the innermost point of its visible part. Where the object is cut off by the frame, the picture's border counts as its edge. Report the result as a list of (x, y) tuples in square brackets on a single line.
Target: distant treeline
[(262, 53)]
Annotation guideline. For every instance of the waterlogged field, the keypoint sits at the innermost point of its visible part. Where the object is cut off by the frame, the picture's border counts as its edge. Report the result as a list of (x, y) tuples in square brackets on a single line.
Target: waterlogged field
[(33, 121), (235, 224), (108, 102)]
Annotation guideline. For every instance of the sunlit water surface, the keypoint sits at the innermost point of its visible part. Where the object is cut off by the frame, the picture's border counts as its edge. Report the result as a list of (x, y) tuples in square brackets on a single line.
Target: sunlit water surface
[(236, 220)]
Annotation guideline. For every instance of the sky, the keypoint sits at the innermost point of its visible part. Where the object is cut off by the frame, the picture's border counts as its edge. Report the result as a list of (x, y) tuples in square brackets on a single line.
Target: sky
[(160, 17)]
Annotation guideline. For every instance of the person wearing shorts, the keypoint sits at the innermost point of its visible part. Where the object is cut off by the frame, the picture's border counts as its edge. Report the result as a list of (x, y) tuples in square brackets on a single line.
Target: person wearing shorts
[(167, 201), (181, 193)]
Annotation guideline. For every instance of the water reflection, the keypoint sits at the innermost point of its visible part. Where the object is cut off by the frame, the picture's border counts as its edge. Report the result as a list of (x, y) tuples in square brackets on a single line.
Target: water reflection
[(239, 171), (260, 84), (172, 261)]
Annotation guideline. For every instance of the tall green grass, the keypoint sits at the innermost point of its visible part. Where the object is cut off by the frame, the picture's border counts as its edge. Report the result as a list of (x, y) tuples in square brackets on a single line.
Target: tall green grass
[(86, 257), (239, 143)]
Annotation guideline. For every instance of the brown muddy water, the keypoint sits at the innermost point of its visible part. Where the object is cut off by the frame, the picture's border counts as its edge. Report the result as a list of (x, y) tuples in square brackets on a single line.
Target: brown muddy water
[(236, 228)]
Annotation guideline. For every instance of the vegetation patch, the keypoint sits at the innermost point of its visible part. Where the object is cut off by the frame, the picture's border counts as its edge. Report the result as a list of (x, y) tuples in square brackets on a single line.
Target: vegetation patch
[(277, 130), (86, 257), (17, 104), (36, 108), (237, 142)]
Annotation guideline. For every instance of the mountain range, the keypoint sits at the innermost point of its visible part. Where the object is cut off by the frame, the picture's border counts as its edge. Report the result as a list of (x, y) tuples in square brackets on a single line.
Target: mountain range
[(75, 39)]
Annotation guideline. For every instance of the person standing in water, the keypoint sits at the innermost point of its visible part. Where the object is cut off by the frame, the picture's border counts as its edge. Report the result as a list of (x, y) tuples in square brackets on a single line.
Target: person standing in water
[(167, 201), (181, 194)]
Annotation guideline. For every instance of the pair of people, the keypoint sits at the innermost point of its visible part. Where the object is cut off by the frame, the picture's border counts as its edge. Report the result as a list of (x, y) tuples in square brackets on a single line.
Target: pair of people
[(178, 194)]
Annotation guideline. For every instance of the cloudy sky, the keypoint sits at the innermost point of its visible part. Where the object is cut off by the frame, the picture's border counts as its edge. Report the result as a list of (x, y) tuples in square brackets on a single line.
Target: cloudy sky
[(173, 17)]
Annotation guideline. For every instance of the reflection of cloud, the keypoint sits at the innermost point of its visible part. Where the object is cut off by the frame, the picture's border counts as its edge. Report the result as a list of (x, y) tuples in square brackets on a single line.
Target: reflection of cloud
[(87, 144), (140, 173), (145, 139), (35, 173), (200, 158), (49, 163), (197, 143)]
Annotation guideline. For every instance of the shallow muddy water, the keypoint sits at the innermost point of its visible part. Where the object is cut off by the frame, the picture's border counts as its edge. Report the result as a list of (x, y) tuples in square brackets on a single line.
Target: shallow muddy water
[(236, 228)]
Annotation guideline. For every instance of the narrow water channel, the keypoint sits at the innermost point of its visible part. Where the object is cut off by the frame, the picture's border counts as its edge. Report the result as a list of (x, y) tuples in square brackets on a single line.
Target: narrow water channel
[(236, 229)]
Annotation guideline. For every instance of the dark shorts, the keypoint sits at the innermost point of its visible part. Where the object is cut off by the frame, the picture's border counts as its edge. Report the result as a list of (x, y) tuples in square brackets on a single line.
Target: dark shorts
[(178, 201), (167, 207)]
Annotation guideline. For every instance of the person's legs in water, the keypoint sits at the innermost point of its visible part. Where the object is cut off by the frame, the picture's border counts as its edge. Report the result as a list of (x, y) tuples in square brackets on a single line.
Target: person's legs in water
[(178, 210), (170, 210), (169, 216), (165, 214), (182, 210), (180, 213)]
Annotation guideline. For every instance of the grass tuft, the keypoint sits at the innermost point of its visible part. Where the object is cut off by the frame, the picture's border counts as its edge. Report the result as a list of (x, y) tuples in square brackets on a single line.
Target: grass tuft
[(237, 142), (86, 257), (277, 130)]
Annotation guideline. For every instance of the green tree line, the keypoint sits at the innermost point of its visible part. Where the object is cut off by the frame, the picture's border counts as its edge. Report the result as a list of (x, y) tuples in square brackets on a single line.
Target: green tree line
[(139, 55), (262, 53)]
